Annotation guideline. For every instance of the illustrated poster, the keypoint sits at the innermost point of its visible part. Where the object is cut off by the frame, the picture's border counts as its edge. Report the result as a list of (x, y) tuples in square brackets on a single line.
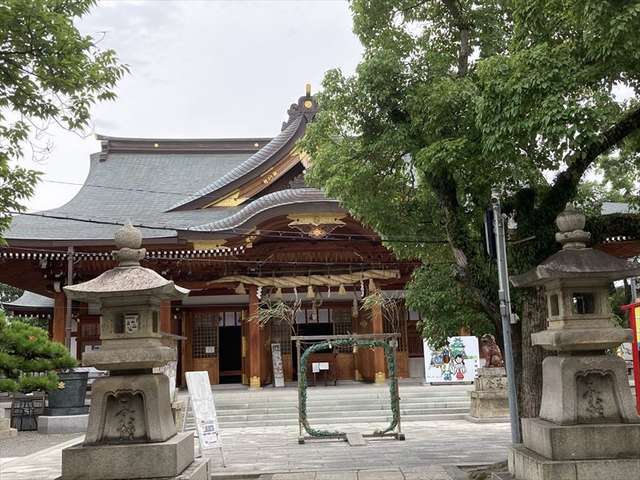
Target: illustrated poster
[(455, 362)]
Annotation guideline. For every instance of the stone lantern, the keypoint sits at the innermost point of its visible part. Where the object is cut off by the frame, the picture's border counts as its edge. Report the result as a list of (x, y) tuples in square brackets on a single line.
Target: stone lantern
[(131, 432), (588, 426)]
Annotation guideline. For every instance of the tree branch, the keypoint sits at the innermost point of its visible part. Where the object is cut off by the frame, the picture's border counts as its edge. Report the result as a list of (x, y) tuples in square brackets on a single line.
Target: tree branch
[(566, 183), (444, 185), (464, 28)]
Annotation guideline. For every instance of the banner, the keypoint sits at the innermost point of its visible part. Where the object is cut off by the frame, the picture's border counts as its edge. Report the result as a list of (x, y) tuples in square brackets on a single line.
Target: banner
[(276, 357), (455, 362)]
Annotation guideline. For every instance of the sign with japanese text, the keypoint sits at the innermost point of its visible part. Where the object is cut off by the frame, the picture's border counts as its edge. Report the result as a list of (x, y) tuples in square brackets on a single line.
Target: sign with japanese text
[(204, 409)]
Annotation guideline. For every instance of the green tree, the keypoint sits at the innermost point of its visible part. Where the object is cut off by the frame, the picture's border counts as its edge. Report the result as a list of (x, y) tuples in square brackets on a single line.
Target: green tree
[(455, 97), (28, 359), (49, 72), (9, 293)]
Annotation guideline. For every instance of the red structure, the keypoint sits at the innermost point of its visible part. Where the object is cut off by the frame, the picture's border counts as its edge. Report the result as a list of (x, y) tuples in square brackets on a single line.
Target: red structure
[(634, 325)]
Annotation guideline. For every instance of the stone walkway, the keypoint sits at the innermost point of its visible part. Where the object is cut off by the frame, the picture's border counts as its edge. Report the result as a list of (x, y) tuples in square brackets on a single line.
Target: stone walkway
[(274, 454)]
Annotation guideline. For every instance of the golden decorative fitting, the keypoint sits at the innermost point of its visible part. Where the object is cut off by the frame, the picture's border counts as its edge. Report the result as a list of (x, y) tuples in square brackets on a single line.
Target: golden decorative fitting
[(317, 225), (254, 383), (208, 244)]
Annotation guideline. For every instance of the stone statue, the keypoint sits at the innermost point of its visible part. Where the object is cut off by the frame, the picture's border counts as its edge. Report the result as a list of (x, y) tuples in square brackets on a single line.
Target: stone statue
[(490, 352)]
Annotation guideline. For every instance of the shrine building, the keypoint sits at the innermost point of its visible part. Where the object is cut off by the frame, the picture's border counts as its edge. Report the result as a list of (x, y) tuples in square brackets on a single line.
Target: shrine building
[(233, 221)]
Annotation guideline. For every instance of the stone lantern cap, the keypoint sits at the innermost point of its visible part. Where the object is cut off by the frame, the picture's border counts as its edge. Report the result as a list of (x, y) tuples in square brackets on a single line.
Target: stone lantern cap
[(128, 279), (570, 264), (121, 282), (575, 260)]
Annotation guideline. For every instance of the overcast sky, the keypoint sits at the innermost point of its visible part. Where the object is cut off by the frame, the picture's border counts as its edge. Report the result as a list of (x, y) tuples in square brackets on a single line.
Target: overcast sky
[(202, 68)]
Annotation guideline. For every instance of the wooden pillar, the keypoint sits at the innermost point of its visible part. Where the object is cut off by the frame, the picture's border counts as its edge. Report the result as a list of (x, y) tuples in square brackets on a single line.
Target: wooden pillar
[(165, 316), (254, 339), (377, 326), (59, 317)]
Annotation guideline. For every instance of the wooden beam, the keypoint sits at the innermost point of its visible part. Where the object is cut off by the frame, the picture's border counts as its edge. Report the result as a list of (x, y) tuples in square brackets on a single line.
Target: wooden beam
[(254, 339), (165, 316), (377, 327), (59, 317)]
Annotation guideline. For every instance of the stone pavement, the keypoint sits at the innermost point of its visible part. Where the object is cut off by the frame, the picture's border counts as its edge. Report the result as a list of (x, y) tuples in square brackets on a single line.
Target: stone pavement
[(433, 472), (274, 452)]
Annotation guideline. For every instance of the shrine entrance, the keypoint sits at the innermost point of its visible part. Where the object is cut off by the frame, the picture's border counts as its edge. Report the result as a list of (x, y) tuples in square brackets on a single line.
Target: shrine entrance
[(230, 341)]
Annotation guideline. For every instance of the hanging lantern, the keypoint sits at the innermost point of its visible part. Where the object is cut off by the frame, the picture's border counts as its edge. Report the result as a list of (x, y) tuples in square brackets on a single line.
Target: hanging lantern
[(278, 293), (328, 291), (372, 285), (295, 292), (240, 290), (342, 290), (310, 292), (259, 293), (354, 307)]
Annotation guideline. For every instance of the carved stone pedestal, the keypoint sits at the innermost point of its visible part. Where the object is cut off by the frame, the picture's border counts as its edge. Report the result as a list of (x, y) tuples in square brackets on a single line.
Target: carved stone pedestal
[(130, 408), (584, 389), (489, 400)]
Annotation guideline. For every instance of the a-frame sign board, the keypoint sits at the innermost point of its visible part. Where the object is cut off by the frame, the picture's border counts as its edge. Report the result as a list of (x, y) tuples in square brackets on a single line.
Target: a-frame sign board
[(204, 412)]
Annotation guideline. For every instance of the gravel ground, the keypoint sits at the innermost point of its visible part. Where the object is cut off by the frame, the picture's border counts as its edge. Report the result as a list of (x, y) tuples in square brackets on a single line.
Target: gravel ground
[(27, 443)]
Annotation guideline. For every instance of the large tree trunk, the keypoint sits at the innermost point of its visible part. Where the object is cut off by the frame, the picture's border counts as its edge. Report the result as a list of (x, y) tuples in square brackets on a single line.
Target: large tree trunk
[(534, 319)]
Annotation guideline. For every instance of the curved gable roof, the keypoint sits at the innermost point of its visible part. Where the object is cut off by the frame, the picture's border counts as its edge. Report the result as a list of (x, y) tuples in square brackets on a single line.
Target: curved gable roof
[(300, 114), (282, 198)]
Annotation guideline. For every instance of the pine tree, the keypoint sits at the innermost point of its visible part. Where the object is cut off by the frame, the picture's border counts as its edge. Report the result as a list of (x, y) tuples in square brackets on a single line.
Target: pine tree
[(28, 359)]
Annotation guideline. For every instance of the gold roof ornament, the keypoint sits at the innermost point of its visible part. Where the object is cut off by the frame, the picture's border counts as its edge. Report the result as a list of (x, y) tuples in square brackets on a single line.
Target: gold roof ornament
[(317, 225)]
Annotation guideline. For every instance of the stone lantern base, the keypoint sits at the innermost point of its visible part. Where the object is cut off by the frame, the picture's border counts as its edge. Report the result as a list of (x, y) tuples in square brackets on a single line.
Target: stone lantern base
[(132, 435), (528, 465), (588, 430), (172, 459), (489, 400)]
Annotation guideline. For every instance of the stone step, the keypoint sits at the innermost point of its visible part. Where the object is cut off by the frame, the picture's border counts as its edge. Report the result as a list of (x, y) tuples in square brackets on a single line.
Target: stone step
[(338, 421), (339, 415), (335, 401), (269, 395), (334, 409)]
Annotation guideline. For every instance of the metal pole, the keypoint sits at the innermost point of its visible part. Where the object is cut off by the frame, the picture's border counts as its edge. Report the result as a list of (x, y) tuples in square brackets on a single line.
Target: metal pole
[(67, 320), (505, 313), (299, 393)]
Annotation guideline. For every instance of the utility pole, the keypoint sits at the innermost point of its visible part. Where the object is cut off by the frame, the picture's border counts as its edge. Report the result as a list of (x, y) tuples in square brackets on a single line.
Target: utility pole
[(505, 313)]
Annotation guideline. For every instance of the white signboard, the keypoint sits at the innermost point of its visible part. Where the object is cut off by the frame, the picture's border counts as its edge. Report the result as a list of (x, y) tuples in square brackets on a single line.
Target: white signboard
[(204, 410), (278, 373), (455, 362)]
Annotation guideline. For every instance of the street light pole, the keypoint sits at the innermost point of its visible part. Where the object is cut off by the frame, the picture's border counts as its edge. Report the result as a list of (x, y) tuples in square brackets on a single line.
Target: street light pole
[(505, 313)]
